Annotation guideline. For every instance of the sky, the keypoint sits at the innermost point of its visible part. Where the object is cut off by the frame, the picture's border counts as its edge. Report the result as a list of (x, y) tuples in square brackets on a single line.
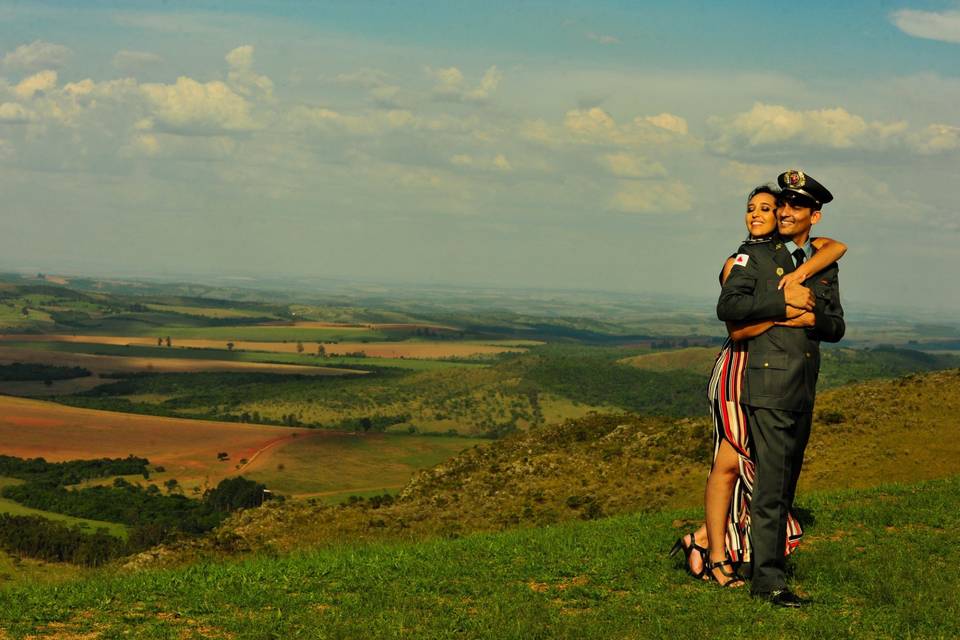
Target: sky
[(581, 145)]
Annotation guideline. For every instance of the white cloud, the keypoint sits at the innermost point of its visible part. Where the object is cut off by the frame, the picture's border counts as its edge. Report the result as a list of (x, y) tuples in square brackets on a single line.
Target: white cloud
[(133, 61), (13, 113), (596, 126), (452, 85), (194, 108), (937, 138), (36, 55), (932, 25), (37, 83), (625, 165), (242, 77), (603, 38), (670, 122), (836, 128), (652, 197), (590, 122)]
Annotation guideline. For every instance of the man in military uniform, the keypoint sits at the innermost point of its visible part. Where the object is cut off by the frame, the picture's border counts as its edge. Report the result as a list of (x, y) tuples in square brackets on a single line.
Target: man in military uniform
[(781, 377)]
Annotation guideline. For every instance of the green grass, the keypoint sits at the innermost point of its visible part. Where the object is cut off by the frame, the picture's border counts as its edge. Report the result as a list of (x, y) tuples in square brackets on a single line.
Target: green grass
[(17, 509), (16, 570), (873, 564)]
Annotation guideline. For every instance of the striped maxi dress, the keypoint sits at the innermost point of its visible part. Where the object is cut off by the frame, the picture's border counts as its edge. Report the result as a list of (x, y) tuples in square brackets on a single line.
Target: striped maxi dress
[(730, 424)]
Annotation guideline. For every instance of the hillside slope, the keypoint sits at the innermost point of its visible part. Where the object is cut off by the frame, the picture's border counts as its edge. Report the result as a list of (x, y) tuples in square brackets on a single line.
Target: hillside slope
[(881, 431), (872, 564)]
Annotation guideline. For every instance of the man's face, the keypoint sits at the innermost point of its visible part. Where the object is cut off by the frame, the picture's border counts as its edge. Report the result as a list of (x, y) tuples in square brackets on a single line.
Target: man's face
[(794, 220)]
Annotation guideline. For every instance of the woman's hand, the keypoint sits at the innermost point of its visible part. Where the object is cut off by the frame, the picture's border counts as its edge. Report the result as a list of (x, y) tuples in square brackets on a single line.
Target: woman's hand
[(793, 312), (794, 277), (805, 319)]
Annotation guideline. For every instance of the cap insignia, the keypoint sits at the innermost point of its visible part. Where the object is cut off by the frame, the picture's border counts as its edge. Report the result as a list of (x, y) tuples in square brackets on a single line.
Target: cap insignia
[(794, 179)]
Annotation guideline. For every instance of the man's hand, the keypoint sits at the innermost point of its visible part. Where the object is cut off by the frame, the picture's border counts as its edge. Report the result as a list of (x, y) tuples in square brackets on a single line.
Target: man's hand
[(806, 319), (797, 295)]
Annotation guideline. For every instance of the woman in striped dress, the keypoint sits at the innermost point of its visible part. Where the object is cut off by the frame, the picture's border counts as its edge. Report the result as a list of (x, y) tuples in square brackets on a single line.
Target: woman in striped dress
[(725, 536)]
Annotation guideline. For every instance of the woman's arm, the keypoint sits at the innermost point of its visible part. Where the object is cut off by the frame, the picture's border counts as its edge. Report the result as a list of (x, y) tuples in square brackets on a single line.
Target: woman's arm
[(828, 252), (743, 330)]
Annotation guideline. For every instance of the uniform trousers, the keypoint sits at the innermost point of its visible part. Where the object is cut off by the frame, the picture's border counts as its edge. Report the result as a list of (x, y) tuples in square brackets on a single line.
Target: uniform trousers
[(778, 439)]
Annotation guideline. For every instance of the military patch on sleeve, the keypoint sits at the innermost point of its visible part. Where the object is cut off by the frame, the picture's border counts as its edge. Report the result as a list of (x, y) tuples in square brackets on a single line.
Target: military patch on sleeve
[(741, 260)]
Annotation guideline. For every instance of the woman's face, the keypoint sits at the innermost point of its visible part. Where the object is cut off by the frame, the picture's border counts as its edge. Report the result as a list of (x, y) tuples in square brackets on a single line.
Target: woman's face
[(762, 215)]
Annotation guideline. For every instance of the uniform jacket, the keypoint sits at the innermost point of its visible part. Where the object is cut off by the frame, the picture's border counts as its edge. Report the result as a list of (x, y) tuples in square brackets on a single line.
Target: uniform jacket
[(784, 362)]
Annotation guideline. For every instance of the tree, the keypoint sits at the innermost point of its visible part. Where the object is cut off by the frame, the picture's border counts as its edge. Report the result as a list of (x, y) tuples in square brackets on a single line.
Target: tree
[(223, 455), (172, 485), (229, 346), (235, 493), (299, 347), (321, 351), (168, 341), (159, 342)]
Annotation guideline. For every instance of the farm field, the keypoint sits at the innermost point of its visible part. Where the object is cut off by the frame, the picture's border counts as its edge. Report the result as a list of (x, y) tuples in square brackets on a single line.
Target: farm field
[(292, 460), (332, 465), (134, 364), (187, 449), (270, 357), (248, 333), (407, 349)]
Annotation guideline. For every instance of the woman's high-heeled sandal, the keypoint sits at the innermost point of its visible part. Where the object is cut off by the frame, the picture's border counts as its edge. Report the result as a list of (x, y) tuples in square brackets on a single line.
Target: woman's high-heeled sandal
[(734, 579), (687, 550)]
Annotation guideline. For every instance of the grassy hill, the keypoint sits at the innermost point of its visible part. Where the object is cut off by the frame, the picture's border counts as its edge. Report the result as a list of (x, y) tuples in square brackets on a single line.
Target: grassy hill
[(881, 431), (873, 564), (839, 365)]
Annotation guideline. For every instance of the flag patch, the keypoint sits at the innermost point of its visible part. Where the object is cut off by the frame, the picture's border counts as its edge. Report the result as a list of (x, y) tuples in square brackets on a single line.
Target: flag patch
[(741, 260)]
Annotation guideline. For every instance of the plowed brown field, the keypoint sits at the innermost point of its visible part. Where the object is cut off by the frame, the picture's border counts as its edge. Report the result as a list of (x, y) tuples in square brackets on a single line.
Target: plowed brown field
[(296, 462), (186, 448)]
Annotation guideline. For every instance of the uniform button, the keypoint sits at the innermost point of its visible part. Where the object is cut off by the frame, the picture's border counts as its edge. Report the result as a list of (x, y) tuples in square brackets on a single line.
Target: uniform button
[(807, 354), (766, 364)]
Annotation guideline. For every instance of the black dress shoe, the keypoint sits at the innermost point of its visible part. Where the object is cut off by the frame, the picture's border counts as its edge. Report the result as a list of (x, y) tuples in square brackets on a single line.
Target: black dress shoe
[(781, 598)]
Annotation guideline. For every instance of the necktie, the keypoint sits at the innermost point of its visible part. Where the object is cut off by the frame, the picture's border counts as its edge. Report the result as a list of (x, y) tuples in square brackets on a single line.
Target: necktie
[(799, 256)]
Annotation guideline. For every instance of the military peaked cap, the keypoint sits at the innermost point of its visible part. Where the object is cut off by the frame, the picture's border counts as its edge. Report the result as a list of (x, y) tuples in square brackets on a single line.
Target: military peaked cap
[(797, 182)]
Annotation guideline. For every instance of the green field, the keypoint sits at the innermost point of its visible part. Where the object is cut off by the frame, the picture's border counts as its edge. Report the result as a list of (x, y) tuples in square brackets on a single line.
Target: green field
[(21, 571), (14, 508), (333, 465), (211, 312), (873, 564), (246, 333), (269, 357)]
